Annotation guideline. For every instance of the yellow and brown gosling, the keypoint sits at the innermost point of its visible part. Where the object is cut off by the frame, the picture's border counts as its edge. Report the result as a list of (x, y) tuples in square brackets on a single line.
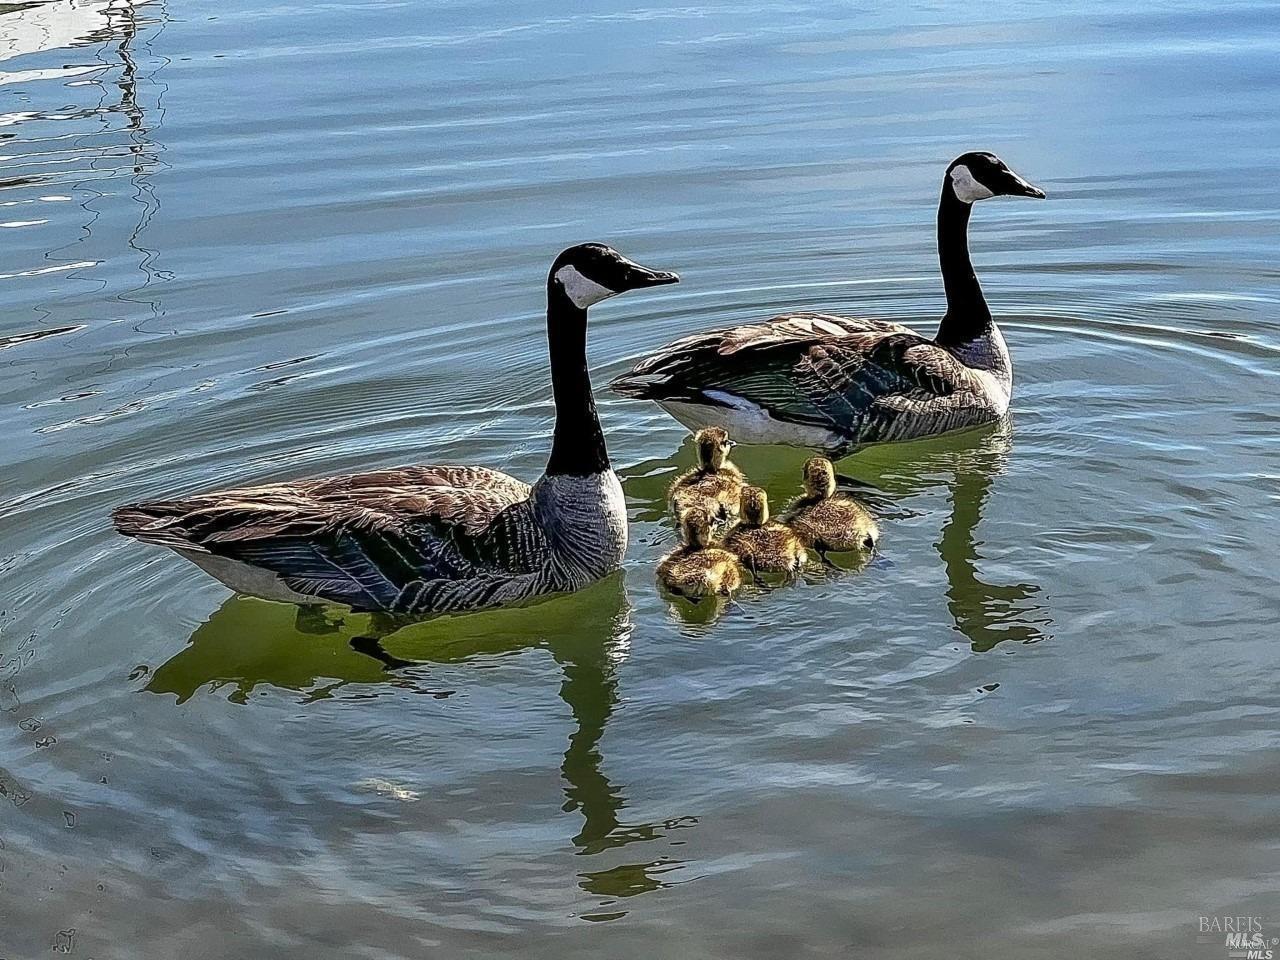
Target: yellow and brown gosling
[(715, 484), (764, 545), (826, 520), (696, 569)]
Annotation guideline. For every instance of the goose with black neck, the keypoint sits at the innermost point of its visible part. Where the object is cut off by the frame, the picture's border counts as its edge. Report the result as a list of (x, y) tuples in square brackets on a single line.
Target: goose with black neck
[(421, 540), (836, 383)]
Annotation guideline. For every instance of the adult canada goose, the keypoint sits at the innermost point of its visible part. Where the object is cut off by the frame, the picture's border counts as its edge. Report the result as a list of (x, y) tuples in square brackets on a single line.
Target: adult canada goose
[(764, 545), (826, 520), (418, 540), (715, 483), (695, 569), (836, 383)]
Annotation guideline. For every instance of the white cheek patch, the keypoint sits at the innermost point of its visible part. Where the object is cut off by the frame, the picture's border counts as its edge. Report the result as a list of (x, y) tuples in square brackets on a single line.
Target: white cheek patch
[(583, 291), (966, 187)]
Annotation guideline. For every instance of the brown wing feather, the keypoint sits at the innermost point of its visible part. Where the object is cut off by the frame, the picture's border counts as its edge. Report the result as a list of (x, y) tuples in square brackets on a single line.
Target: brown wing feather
[(801, 328), (382, 501), (786, 328), (887, 387)]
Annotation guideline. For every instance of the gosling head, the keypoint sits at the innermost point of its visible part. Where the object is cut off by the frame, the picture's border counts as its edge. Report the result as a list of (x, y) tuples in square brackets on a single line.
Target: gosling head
[(713, 445), (591, 272), (695, 527), (981, 176), (819, 478), (755, 507)]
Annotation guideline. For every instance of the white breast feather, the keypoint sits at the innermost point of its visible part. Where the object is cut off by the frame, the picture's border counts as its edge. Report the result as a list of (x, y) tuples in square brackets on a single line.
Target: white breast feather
[(988, 357), (747, 422)]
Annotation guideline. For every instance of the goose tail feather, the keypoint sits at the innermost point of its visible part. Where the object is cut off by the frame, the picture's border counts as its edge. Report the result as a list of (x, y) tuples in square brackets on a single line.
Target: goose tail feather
[(156, 523)]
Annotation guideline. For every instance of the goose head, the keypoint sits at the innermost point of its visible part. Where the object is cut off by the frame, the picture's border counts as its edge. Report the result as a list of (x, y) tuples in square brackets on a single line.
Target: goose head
[(591, 272), (755, 507), (980, 176), (713, 445), (819, 478), (695, 528)]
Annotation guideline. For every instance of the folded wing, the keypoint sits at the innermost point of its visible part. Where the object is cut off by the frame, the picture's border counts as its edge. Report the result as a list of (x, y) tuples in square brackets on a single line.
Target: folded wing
[(359, 539), (864, 380), (879, 388)]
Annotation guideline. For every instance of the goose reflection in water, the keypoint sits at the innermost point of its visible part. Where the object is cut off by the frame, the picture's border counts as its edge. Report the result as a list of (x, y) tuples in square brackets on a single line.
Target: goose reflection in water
[(250, 643), (967, 464), (986, 613)]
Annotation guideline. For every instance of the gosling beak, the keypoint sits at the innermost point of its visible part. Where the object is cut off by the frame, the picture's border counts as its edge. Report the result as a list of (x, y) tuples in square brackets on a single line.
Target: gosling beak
[(1017, 187)]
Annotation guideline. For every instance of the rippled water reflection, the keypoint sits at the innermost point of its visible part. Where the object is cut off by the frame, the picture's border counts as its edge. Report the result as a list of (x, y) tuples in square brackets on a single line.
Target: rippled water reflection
[(252, 242)]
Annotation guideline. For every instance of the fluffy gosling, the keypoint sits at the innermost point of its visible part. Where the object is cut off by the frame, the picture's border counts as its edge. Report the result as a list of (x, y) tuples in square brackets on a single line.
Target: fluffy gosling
[(696, 569), (826, 520), (715, 484), (764, 545)]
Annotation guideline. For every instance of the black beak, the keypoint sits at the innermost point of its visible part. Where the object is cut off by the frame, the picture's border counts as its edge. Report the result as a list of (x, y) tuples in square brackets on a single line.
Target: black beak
[(1017, 187), (639, 277), (635, 277)]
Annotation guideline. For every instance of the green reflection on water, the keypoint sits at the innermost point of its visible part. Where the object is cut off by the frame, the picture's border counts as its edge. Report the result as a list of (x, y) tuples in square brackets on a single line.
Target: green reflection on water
[(249, 643), (986, 613), (965, 464)]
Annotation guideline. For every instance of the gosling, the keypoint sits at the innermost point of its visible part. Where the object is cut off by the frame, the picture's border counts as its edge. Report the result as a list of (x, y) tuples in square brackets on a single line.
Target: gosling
[(826, 520), (715, 484), (696, 569), (764, 545)]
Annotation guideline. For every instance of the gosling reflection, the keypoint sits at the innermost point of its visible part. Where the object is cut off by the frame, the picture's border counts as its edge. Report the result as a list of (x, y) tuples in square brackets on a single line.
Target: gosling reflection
[(247, 644)]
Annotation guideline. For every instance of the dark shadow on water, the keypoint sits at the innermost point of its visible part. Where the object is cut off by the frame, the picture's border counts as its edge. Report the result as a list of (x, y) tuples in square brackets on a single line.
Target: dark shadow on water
[(247, 644)]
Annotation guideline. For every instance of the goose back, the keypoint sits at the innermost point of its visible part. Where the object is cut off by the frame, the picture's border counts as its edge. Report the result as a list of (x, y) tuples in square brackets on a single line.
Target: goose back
[(826, 384)]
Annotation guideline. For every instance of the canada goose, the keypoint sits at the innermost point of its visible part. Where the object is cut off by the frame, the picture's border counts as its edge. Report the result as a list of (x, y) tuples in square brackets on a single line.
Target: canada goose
[(418, 540), (715, 483), (836, 383), (764, 545), (827, 521), (695, 569)]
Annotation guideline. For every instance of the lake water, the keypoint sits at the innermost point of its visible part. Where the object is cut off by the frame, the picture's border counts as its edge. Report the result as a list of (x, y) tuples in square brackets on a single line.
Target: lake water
[(264, 240)]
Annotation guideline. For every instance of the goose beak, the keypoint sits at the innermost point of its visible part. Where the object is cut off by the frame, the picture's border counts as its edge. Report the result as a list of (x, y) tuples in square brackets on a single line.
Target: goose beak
[(1017, 187), (638, 277)]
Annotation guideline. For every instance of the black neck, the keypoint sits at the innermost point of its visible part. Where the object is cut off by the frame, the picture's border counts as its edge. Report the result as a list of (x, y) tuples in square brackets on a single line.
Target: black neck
[(967, 316), (578, 447)]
